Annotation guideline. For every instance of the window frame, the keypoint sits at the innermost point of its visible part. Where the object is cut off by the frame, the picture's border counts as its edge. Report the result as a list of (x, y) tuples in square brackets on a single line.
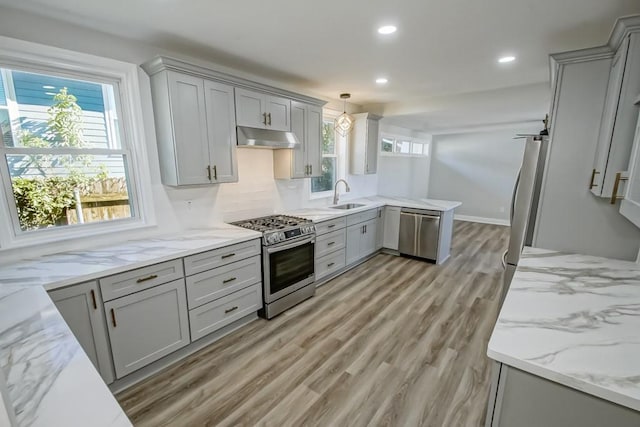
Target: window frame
[(400, 138), (36, 58), (340, 156)]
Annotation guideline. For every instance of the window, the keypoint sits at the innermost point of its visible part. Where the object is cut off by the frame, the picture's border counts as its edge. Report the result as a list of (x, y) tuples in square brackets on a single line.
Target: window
[(329, 160), (403, 146), (66, 163)]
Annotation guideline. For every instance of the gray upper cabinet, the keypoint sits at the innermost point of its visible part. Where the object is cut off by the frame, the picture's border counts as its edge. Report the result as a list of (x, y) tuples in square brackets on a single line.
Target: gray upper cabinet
[(260, 110), (363, 144), (630, 206), (618, 122), (304, 161), (195, 126), (148, 325), (81, 307)]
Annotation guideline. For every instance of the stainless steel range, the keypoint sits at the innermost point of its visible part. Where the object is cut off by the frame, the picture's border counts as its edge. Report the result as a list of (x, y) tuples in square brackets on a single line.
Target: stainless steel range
[(288, 251)]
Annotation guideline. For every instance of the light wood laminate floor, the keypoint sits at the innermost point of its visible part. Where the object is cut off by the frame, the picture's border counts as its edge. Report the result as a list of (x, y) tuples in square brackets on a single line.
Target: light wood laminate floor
[(395, 342)]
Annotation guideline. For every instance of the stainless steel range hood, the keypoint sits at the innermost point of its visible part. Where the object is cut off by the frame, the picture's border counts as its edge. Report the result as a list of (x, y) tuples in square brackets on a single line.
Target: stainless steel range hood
[(266, 138)]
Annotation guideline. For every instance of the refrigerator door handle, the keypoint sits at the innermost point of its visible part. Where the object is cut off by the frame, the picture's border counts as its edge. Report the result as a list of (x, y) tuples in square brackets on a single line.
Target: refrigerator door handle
[(513, 197)]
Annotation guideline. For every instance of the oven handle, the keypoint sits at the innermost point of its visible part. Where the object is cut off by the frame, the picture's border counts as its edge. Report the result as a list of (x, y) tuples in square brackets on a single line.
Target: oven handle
[(291, 245)]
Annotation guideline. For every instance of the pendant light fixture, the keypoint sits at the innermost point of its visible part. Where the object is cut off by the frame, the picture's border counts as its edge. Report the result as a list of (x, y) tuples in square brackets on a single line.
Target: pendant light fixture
[(344, 122)]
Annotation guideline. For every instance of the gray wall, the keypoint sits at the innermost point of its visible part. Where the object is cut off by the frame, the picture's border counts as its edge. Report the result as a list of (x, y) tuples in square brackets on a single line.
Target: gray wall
[(478, 169)]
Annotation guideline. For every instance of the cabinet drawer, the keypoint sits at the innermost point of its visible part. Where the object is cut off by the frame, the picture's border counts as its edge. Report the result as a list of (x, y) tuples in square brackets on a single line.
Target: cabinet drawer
[(362, 216), (329, 264), (126, 283), (213, 284), (219, 313), (218, 257), (332, 225), (330, 242), (147, 326)]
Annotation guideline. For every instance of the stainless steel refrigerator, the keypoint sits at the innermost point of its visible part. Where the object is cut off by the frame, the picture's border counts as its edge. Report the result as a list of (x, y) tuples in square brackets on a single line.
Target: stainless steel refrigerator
[(524, 204)]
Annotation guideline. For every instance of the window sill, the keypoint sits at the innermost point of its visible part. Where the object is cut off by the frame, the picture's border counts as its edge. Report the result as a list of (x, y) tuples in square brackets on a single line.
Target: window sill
[(48, 237)]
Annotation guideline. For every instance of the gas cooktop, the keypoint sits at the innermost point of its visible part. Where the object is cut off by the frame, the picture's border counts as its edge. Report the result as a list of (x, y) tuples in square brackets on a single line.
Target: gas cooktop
[(278, 228)]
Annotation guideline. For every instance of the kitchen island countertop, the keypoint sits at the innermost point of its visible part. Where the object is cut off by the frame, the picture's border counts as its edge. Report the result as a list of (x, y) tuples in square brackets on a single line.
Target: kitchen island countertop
[(575, 320)]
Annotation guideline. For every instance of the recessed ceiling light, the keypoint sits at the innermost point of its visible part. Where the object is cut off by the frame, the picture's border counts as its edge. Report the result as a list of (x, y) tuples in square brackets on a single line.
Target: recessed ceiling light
[(506, 59), (381, 80), (387, 29)]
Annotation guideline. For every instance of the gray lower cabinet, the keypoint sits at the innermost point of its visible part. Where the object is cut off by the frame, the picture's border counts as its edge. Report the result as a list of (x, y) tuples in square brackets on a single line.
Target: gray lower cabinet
[(81, 307), (362, 240), (210, 317), (148, 325), (521, 399)]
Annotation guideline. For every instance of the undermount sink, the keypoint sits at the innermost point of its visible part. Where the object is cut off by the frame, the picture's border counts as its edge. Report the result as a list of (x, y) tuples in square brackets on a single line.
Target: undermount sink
[(348, 206)]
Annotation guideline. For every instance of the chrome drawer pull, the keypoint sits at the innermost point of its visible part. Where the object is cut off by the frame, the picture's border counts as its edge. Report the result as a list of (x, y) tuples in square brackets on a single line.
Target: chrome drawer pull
[(227, 256), (229, 310), (331, 226), (331, 264), (144, 279), (331, 243), (231, 279)]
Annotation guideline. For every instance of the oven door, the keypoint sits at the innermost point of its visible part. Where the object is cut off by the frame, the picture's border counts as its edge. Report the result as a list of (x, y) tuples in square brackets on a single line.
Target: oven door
[(288, 267)]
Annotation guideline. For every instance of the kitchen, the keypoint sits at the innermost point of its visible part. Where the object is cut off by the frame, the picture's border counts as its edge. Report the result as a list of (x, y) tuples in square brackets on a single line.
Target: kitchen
[(359, 324)]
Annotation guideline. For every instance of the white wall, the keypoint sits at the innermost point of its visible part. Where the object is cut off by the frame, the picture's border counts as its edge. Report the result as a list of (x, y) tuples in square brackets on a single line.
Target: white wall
[(256, 193), (403, 176), (478, 169)]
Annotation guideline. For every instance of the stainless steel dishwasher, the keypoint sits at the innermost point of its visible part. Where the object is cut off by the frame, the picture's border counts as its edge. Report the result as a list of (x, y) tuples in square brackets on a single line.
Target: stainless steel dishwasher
[(419, 233)]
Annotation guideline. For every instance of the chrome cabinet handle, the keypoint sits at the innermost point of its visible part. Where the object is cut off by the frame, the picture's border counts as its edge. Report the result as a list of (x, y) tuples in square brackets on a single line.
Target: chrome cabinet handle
[(269, 115), (229, 280), (113, 318), (593, 177), (145, 279), (215, 173), (616, 185), (209, 172), (310, 169), (229, 310), (264, 119), (93, 299), (227, 256), (331, 264), (331, 225), (331, 243)]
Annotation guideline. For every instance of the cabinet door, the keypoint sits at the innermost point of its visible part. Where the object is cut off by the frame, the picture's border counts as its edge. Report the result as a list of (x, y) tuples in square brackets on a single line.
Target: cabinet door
[(81, 307), (369, 238), (148, 325), (380, 228), (630, 206), (190, 128), (391, 227), (608, 118), (221, 127), (313, 141), (354, 237), (251, 108), (372, 147), (299, 128), (278, 112)]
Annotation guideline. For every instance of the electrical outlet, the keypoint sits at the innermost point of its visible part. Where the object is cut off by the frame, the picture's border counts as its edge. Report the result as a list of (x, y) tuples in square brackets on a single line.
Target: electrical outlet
[(188, 205)]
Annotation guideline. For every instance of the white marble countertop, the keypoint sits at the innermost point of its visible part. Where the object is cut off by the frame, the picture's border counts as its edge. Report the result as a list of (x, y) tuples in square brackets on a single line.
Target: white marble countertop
[(49, 379), (320, 214), (574, 320), (67, 268)]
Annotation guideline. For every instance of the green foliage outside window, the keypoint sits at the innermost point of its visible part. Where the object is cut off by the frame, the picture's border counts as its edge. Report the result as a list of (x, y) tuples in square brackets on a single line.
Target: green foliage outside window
[(326, 181), (42, 200)]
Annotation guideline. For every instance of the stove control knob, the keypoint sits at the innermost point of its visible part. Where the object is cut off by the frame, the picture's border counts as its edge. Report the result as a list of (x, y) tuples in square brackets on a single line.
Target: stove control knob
[(272, 238)]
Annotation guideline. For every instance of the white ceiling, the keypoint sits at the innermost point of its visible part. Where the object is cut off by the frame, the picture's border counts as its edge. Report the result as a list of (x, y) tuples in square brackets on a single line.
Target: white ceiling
[(443, 48)]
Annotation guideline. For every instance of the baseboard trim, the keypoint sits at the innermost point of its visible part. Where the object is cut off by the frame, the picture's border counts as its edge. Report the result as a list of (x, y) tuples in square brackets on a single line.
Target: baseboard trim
[(481, 220)]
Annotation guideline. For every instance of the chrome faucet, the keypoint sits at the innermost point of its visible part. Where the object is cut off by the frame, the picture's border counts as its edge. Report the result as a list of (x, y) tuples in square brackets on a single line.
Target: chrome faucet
[(335, 190)]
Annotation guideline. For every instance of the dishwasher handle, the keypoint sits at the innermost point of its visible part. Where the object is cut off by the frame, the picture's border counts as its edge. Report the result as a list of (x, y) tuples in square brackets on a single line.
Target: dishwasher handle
[(420, 215)]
